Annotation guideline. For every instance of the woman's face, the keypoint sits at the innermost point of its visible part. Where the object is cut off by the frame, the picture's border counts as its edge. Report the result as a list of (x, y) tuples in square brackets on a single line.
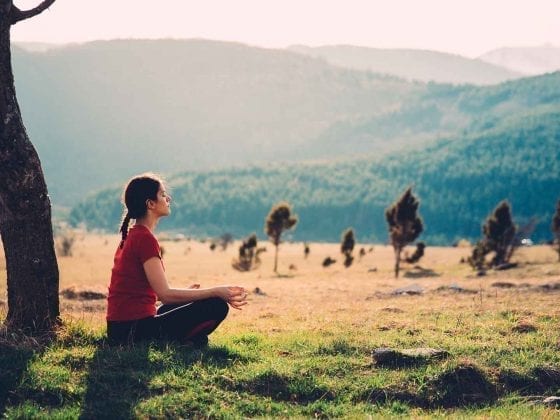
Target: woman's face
[(162, 204)]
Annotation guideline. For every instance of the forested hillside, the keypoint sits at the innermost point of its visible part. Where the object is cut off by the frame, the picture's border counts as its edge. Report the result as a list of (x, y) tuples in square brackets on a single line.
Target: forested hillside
[(102, 111), (458, 181)]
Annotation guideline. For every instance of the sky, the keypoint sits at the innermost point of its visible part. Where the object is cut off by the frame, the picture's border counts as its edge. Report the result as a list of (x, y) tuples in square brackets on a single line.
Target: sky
[(465, 27)]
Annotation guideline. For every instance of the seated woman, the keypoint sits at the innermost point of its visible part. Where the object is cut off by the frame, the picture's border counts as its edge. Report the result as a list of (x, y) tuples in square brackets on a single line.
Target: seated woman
[(138, 280)]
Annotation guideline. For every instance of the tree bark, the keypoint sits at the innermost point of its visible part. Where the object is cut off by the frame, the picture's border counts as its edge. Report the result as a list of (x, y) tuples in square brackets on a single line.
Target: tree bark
[(25, 210)]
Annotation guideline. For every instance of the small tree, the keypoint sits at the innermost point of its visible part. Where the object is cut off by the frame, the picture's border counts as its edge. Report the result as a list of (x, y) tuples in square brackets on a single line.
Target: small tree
[(362, 253), (247, 256), (347, 246), (328, 261), (404, 224), (225, 240), (478, 258), (306, 250), (278, 220), (65, 243), (556, 228), (499, 234)]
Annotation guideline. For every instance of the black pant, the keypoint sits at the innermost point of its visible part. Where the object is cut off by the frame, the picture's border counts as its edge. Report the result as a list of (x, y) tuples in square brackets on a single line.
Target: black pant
[(182, 322)]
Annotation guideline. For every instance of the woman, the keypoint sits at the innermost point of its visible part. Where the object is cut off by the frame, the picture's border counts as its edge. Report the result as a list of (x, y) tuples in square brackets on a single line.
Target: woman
[(138, 280)]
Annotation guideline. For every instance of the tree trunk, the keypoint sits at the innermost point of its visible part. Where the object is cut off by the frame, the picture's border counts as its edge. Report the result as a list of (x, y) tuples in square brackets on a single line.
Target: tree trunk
[(397, 261), (25, 211), (276, 259)]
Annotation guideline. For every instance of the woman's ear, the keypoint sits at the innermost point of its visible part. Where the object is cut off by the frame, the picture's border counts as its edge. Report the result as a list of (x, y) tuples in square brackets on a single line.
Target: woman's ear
[(150, 204)]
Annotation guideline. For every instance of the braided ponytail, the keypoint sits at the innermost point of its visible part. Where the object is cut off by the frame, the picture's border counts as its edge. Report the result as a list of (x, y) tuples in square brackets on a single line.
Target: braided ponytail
[(124, 228)]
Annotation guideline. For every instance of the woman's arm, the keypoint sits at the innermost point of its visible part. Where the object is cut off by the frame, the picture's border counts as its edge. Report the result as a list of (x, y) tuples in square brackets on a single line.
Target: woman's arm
[(235, 296)]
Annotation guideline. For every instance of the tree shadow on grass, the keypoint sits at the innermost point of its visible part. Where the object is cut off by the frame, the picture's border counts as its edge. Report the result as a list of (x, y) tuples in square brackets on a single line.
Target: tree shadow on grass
[(119, 376), (14, 360), (281, 387)]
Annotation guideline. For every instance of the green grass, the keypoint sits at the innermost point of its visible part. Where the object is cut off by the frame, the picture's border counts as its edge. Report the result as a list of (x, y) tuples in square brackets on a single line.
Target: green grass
[(491, 373)]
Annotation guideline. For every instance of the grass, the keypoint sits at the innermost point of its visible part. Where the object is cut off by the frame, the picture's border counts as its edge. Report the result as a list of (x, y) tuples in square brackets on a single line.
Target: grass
[(297, 374), (303, 348)]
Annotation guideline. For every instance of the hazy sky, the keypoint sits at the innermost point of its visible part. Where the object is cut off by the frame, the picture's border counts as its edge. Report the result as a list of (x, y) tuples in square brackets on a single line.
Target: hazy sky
[(466, 27)]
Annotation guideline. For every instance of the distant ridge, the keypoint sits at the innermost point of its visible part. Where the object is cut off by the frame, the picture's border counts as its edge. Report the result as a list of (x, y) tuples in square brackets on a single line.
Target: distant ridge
[(410, 64), (38, 46), (527, 60)]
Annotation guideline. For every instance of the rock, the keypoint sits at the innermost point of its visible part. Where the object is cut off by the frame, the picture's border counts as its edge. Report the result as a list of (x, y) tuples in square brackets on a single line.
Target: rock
[(73, 294), (413, 289), (385, 356), (555, 401), (457, 289), (258, 291)]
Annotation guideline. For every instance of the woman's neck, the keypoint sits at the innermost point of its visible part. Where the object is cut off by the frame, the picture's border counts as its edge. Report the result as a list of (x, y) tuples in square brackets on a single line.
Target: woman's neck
[(149, 222)]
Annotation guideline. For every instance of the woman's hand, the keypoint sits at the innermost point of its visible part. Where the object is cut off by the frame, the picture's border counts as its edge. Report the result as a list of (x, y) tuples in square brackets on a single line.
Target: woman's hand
[(235, 296)]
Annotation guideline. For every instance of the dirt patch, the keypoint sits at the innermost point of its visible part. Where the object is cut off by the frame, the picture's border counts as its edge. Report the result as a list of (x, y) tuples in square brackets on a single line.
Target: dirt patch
[(418, 273), (524, 327), (461, 386), (392, 309), (548, 287), (503, 285), (72, 293)]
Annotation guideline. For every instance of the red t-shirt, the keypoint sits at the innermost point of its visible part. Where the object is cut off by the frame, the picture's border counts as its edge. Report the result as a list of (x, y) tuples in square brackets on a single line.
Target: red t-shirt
[(130, 295)]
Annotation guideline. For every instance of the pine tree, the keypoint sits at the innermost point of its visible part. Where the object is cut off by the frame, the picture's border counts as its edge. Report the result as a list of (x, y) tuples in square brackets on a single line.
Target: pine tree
[(347, 246), (278, 220), (556, 228), (404, 224), (499, 234)]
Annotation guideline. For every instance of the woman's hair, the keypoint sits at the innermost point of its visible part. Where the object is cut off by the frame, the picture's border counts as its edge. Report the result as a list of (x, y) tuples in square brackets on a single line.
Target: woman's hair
[(136, 193)]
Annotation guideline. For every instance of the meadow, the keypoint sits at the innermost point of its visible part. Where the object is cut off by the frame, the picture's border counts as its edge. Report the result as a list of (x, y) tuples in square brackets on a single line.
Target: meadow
[(303, 345)]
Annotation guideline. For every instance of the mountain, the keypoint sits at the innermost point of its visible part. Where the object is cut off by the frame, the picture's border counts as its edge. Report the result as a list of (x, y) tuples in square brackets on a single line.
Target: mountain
[(525, 60), (458, 181), (423, 65), (101, 111), (37, 46), (440, 111)]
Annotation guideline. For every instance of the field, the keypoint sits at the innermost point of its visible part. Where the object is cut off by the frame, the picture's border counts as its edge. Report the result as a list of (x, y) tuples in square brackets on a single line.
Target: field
[(302, 346)]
